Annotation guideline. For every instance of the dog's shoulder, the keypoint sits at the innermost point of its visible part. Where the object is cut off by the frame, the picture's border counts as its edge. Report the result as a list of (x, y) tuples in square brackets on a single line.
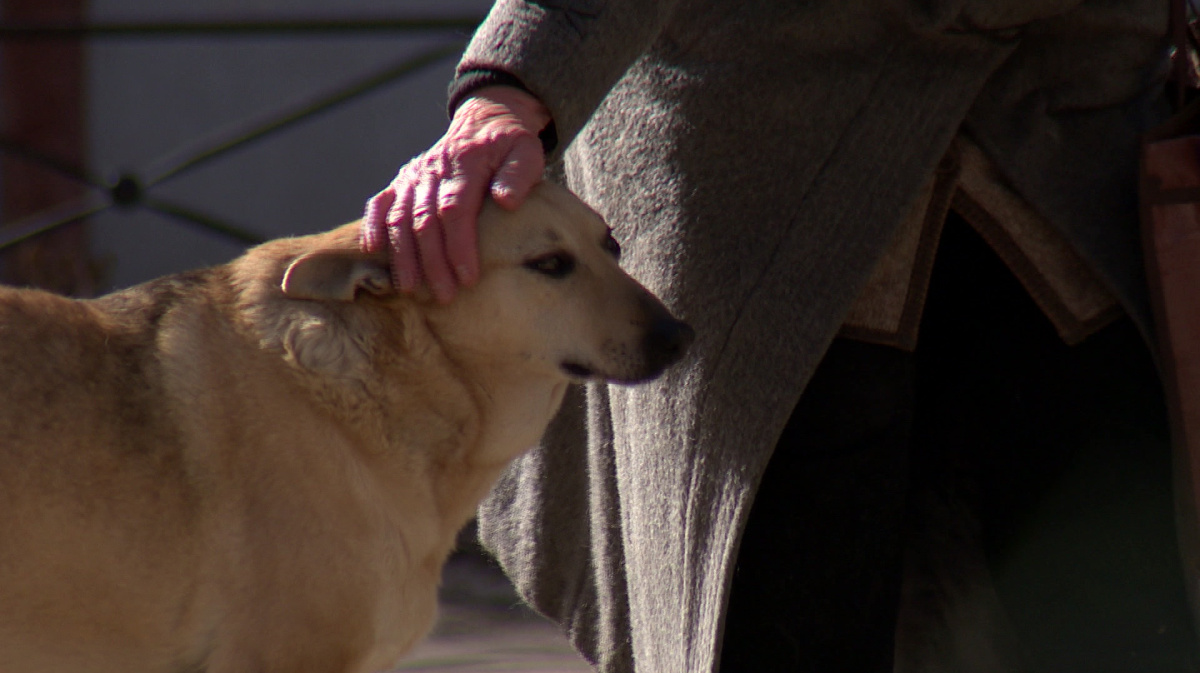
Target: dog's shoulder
[(51, 345), (144, 306)]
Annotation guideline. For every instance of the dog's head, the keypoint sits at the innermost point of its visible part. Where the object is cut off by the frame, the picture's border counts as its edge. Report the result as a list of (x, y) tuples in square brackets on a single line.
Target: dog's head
[(551, 299)]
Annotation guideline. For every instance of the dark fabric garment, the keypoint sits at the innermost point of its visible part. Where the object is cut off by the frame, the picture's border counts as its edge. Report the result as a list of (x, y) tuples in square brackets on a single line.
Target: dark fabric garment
[(818, 574), (1061, 453)]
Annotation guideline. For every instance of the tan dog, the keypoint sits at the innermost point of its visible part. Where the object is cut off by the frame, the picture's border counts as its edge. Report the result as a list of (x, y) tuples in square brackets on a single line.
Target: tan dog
[(261, 467)]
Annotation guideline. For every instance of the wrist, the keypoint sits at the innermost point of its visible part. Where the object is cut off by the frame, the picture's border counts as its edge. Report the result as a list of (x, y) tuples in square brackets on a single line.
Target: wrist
[(524, 106)]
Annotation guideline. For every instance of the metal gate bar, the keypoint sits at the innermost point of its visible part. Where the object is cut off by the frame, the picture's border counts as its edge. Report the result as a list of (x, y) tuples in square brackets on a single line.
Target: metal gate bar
[(130, 189)]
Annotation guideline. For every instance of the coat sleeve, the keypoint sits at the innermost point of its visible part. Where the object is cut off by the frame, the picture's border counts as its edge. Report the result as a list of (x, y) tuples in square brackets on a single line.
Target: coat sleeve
[(568, 53)]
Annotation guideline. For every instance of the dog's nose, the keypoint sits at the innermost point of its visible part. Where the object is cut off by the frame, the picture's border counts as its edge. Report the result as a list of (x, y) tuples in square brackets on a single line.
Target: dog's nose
[(667, 340)]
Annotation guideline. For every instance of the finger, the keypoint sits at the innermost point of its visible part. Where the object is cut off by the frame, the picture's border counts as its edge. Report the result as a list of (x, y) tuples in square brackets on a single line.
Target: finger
[(460, 199), (431, 249), (406, 269), (520, 171), (372, 233)]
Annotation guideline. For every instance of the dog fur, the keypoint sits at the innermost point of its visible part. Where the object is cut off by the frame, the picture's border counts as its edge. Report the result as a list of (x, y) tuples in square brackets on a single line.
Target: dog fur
[(261, 467)]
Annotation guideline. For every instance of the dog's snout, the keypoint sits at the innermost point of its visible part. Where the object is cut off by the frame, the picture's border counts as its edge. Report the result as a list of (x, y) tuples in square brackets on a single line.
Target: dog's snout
[(667, 340)]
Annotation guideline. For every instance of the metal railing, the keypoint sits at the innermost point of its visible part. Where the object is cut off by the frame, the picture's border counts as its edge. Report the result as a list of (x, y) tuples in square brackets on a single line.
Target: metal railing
[(134, 188)]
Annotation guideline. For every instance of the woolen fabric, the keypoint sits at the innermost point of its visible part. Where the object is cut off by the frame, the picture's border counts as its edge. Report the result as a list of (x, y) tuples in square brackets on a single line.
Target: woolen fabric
[(754, 158)]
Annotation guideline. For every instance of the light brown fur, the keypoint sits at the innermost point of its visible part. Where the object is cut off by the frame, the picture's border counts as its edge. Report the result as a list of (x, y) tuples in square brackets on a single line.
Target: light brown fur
[(261, 467)]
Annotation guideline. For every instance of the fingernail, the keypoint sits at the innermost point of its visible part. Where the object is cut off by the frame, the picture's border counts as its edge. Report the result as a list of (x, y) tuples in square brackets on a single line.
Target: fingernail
[(464, 273)]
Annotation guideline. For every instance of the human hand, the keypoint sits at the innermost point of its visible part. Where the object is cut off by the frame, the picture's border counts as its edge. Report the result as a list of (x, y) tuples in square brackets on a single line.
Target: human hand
[(426, 217)]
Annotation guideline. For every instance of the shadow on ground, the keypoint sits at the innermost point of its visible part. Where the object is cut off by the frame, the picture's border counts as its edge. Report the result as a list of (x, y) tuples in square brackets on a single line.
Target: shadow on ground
[(484, 626)]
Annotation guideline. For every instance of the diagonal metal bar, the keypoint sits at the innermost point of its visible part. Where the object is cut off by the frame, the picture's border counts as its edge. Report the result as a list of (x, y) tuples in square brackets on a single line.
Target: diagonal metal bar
[(74, 211), (51, 218), (218, 28), (203, 220), (56, 164), (243, 133)]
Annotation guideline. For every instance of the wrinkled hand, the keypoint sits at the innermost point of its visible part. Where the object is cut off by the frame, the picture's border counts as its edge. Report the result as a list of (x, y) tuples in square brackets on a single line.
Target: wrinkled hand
[(426, 217)]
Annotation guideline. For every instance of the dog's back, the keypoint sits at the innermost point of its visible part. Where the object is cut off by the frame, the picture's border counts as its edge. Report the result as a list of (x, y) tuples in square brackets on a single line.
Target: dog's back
[(173, 497), (92, 476)]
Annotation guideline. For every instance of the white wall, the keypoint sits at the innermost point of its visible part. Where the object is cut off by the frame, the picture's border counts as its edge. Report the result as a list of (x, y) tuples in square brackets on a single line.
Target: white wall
[(150, 96)]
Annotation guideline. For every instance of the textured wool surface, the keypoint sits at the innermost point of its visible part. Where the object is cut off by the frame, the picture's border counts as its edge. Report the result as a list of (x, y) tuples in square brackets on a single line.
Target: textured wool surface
[(755, 160)]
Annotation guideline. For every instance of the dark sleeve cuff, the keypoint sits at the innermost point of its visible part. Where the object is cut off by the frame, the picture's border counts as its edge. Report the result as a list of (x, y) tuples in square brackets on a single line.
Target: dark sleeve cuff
[(470, 81)]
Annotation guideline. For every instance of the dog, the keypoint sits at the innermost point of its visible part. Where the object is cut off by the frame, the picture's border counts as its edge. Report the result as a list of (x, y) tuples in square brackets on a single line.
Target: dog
[(262, 466)]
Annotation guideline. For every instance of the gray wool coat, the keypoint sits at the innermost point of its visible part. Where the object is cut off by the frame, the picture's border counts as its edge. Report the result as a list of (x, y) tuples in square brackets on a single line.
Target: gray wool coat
[(754, 157)]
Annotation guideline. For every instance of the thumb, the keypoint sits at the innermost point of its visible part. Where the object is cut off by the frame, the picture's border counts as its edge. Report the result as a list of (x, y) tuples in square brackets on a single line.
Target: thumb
[(520, 171)]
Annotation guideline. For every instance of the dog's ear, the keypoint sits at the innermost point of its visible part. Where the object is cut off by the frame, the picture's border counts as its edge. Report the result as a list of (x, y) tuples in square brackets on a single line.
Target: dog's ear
[(337, 275)]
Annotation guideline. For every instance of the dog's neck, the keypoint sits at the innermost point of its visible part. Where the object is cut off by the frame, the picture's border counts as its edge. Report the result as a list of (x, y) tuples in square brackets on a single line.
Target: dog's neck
[(482, 428), (410, 402), (461, 422)]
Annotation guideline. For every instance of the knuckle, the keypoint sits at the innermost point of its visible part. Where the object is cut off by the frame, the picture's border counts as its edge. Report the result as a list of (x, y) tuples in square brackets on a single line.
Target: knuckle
[(451, 206), (425, 223), (423, 217), (428, 164), (397, 213), (454, 192)]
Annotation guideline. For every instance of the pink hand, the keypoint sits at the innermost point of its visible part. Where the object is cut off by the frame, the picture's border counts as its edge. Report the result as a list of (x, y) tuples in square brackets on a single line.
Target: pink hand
[(427, 216)]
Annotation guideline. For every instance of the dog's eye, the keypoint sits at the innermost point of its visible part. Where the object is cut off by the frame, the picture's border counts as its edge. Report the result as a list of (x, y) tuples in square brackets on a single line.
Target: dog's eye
[(555, 265), (612, 247)]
